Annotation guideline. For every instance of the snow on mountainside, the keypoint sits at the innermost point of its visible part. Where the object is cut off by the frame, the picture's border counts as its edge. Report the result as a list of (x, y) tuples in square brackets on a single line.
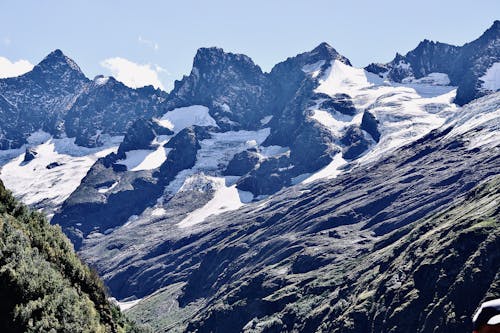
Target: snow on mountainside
[(491, 79), (404, 112), (197, 196), (181, 118), (55, 171), (57, 98), (300, 243)]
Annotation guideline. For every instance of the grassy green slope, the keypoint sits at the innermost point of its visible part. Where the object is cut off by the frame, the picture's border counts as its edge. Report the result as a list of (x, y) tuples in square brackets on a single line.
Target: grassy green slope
[(44, 287)]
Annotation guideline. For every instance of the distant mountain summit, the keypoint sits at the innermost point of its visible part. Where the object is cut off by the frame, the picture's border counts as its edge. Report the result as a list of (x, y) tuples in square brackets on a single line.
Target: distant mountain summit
[(57, 98), (56, 65), (464, 66)]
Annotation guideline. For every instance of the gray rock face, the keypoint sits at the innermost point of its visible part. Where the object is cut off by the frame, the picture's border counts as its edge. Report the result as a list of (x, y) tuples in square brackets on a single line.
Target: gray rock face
[(242, 163), (108, 106), (110, 194), (267, 178), (354, 143), (29, 155), (41, 98), (139, 136), (369, 124), (235, 90), (340, 102)]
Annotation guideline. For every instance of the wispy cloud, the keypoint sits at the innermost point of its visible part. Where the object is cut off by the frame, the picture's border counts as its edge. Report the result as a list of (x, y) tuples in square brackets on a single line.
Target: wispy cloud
[(14, 68), (160, 69), (6, 41), (132, 74), (149, 43)]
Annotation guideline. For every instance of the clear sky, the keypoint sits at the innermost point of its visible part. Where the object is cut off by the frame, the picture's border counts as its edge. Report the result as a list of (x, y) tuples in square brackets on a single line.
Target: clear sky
[(155, 41)]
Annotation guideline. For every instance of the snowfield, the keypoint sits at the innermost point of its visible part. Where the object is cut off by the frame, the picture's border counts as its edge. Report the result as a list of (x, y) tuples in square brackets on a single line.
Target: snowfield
[(404, 112), (35, 183), (180, 118), (491, 79), (225, 198), (142, 159)]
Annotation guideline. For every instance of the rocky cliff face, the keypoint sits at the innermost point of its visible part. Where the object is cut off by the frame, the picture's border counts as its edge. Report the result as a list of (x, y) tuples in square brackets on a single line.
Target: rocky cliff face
[(235, 90), (40, 98), (107, 106)]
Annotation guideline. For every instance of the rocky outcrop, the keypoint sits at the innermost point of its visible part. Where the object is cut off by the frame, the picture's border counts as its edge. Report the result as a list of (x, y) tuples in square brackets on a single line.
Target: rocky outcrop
[(29, 155), (370, 124), (242, 163)]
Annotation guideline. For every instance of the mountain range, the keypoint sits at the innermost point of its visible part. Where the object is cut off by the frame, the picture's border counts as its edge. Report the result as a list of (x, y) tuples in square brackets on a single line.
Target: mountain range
[(315, 197)]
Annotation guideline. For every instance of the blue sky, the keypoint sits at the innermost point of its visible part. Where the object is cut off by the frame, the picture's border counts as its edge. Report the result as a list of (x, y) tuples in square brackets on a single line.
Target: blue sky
[(157, 40)]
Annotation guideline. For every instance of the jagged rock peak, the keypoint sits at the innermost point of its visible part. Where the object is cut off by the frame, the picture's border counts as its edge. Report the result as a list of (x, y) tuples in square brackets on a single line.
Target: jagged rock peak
[(325, 51), (57, 60), (492, 33), (214, 57)]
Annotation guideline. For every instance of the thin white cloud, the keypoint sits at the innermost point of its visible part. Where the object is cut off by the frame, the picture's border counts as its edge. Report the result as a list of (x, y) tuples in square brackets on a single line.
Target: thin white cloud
[(132, 74), (160, 69), (6, 41), (16, 68), (149, 43)]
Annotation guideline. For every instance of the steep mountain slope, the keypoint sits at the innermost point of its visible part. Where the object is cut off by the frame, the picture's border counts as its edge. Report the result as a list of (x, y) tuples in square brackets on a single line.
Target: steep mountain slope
[(44, 285), (107, 106), (429, 280), (465, 66), (289, 262)]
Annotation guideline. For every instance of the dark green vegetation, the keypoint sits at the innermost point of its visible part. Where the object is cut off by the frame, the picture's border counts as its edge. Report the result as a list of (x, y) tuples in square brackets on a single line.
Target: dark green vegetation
[(44, 287)]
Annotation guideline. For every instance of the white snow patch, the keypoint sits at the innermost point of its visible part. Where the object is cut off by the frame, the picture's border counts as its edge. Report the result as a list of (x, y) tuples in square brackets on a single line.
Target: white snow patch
[(216, 152), (404, 111), (33, 183), (128, 304), (106, 189), (143, 159), (437, 79), (491, 79), (273, 150), (342, 78), (332, 170), (313, 69), (180, 118), (158, 212), (101, 80), (225, 199), (326, 119), (266, 120), (483, 114)]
